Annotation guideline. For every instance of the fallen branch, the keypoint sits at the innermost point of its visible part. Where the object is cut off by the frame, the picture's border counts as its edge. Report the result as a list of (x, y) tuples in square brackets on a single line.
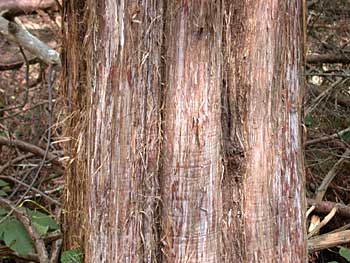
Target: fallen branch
[(25, 146), (321, 191), (17, 34), (42, 194), (15, 7), (327, 58), (17, 64), (16, 160), (328, 240), (339, 98), (328, 137), (324, 222), (327, 206)]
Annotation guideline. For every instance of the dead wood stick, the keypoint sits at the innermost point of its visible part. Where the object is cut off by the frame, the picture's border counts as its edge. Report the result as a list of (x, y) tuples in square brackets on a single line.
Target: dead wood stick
[(328, 58), (328, 137), (328, 240), (17, 34), (25, 146), (327, 206), (26, 6), (324, 222), (321, 191)]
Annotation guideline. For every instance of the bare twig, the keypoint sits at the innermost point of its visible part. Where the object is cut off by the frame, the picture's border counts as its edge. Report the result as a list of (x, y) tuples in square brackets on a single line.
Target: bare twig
[(325, 93), (337, 97), (321, 191), (328, 137), (328, 58), (16, 160), (18, 64), (42, 194), (25, 146)]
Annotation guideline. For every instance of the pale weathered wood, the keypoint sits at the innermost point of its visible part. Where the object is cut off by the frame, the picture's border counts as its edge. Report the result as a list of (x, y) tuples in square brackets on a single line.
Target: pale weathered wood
[(26, 6), (328, 240), (17, 34)]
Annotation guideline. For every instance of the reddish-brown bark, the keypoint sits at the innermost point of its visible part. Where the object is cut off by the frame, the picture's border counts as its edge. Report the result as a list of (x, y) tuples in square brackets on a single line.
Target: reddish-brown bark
[(264, 83), (191, 175), (134, 89), (121, 82)]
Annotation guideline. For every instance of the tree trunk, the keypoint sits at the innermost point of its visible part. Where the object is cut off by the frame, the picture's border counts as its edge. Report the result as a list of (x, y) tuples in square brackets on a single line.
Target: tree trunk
[(264, 89), (179, 155), (192, 169)]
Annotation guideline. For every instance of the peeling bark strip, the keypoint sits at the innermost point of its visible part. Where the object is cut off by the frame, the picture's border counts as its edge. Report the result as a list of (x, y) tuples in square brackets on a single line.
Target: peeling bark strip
[(190, 186), (266, 75)]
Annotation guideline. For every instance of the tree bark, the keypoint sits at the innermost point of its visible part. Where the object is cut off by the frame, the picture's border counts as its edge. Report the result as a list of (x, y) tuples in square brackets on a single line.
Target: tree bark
[(190, 186), (150, 111), (122, 60), (264, 46)]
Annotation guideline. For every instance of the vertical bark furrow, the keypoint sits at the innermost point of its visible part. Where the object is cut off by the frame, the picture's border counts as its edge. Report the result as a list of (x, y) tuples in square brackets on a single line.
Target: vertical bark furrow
[(191, 149), (74, 86), (233, 113)]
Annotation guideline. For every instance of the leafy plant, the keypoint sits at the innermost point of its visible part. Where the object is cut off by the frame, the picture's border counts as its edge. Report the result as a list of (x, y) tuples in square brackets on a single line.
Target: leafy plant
[(14, 234), (3, 187), (72, 256), (345, 136), (345, 253)]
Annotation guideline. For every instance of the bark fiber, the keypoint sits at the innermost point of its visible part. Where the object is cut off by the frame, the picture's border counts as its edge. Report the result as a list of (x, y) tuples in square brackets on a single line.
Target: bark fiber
[(190, 183), (185, 125), (265, 99)]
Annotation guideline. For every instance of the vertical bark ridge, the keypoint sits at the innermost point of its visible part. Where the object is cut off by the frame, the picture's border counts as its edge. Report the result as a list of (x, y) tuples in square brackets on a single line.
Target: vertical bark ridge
[(121, 51), (191, 194), (269, 67)]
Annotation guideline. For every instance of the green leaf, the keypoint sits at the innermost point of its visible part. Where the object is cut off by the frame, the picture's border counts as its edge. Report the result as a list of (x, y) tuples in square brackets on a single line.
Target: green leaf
[(345, 136), (15, 236), (42, 219), (309, 121), (3, 212), (72, 256), (345, 253), (3, 183), (333, 262), (3, 193), (42, 230)]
